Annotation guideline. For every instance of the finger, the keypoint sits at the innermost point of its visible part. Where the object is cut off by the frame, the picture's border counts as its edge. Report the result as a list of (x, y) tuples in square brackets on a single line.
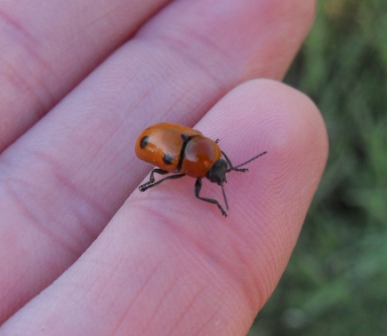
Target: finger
[(169, 264), (49, 46), (64, 179)]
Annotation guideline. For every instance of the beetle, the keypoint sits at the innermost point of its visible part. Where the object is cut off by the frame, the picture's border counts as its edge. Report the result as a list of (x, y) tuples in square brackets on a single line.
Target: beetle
[(174, 148)]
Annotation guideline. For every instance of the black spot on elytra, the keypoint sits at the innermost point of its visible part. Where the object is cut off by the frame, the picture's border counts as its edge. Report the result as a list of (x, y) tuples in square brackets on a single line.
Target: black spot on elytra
[(167, 159), (144, 142)]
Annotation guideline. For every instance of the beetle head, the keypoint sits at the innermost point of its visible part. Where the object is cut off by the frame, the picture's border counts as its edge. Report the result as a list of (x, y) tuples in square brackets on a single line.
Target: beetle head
[(217, 172)]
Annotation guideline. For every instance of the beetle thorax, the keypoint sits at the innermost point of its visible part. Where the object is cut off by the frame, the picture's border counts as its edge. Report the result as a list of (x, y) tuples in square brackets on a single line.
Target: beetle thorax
[(199, 156)]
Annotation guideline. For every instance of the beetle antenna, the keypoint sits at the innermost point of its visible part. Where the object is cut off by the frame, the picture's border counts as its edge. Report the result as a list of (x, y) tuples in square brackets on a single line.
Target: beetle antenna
[(244, 163), (224, 196)]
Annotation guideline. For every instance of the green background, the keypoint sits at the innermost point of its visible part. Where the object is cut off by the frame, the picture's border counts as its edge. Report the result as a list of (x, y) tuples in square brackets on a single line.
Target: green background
[(336, 281)]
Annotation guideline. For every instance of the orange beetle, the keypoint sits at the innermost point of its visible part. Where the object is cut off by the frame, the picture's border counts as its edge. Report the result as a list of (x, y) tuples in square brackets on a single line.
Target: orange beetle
[(180, 149)]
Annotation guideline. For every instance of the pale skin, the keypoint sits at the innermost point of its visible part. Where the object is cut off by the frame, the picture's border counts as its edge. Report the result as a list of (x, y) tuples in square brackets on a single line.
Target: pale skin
[(80, 80)]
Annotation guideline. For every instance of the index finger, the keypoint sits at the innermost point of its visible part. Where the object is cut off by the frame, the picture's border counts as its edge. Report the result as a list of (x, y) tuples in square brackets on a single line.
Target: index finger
[(168, 264)]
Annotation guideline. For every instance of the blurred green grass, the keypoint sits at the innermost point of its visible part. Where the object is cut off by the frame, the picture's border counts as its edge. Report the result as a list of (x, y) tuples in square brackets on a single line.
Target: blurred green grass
[(336, 281)]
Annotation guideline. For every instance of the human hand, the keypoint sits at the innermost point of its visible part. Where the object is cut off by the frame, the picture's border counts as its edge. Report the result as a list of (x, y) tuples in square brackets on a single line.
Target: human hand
[(166, 263)]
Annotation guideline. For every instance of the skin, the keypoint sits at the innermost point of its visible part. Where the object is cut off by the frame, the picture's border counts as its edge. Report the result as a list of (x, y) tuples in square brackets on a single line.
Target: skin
[(82, 251)]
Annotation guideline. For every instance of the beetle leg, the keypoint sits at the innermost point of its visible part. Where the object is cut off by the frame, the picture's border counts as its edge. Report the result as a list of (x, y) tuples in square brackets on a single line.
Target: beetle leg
[(198, 187), (151, 183), (144, 186), (232, 166)]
